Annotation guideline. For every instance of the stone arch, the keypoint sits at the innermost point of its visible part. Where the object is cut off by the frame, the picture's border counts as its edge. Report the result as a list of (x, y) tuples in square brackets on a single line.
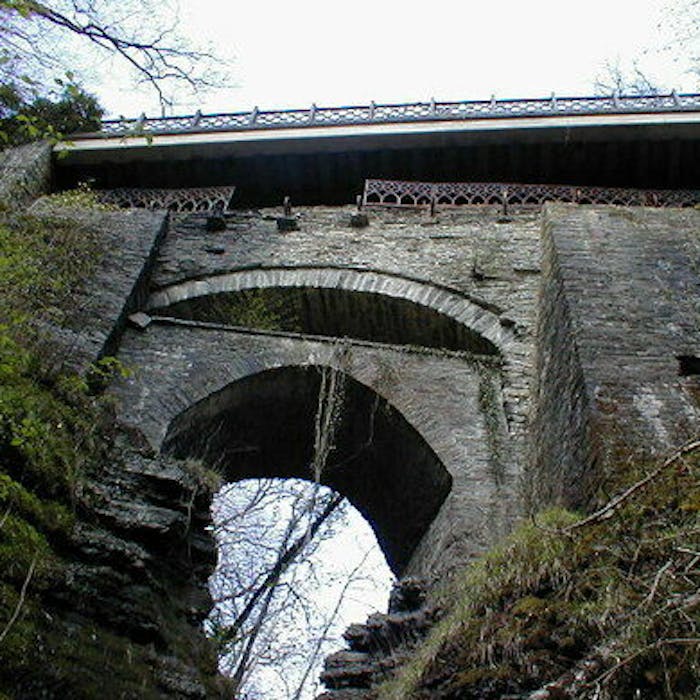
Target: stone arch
[(262, 425), (474, 324)]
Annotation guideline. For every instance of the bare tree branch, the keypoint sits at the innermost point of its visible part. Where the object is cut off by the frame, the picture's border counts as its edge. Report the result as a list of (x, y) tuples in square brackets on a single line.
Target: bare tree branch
[(20, 601), (288, 556), (154, 51)]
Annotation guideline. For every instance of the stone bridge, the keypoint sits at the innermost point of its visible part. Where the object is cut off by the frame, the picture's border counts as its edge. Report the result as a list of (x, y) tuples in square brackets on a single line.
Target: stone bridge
[(500, 350), (434, 322), (488, 365)]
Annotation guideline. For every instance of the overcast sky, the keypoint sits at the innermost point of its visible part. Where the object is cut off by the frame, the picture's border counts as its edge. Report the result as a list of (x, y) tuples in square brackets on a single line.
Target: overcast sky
[(289, 54)]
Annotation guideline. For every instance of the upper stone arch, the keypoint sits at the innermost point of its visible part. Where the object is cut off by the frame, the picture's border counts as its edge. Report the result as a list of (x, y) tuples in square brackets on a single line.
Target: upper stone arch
[(488, 335)]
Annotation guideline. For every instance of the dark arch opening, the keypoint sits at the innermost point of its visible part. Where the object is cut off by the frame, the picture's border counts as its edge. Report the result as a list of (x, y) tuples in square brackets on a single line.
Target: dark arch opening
[(264, 426), (336, 313)]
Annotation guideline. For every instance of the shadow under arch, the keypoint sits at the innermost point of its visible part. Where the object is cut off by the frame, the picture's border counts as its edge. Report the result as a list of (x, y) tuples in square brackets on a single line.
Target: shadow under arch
[(264, 426), (344, 302)]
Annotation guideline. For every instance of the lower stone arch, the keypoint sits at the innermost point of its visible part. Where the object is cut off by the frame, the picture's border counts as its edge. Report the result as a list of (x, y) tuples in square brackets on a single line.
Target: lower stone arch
[(263, 426)]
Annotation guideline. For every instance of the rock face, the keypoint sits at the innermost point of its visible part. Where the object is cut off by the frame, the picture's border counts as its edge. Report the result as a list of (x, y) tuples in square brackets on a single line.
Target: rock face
[(145, 560), (117, 603), (129, 606), (378, 646)]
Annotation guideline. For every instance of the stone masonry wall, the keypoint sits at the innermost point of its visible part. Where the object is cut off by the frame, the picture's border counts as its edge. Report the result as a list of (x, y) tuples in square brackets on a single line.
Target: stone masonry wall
[(592, 308), (129, 242), (631, 280), (441, 397), (491, 263), (470, 251), (561, 407)]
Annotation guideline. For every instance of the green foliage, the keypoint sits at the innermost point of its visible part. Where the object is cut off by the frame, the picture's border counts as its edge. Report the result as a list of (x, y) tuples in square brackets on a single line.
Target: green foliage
[(42, 262), (48, 515), (252, 309), (82, 197), (621, 591), (18, 644), (50, 117), (73, 657), (41, 421), (20, 544), (262, 309), (24, 8), (47, 421), (207, 479), (44, 440), (104, 372)]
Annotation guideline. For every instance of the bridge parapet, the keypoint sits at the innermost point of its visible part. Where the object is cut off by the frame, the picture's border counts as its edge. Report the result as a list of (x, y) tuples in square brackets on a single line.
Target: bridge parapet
[(372, 113)]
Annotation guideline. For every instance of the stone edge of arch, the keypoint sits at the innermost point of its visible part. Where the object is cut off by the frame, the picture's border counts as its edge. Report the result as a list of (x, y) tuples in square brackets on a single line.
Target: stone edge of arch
[(449, 303)]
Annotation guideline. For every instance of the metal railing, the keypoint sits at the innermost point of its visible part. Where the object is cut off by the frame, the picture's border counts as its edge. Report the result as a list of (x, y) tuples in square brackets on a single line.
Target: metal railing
[(402, 193), (373, 113), (183, 199)]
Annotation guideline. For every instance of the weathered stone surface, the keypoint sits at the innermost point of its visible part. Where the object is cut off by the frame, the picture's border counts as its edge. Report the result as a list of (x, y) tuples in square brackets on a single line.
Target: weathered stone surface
[(215, 223), (380, 644), (203, 362), (129, 242), (102, 546), (397, 257), (285, 224), (139, 320), (131, 595), (620, 303), (588, 309), (407, 596), (25, 174), (359, 220)]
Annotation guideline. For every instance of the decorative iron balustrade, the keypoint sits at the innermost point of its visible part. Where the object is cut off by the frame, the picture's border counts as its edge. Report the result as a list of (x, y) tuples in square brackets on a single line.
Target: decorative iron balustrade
[(189, 199), (402, 193), (397, 113)]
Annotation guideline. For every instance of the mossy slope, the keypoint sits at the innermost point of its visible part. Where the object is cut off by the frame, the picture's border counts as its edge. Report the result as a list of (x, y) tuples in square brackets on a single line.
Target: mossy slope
[(607, 609)]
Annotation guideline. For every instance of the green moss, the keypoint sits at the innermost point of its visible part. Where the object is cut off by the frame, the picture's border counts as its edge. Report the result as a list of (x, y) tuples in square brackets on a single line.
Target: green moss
[(18, 643), (20, 544), (47, 422), (45, 439), (48, 515), (43, 260), (73, 659), (208, 480)]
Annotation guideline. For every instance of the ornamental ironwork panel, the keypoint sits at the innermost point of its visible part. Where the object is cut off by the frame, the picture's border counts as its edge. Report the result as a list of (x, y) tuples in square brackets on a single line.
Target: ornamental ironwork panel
[(397, 113), (404, 193), (189, 199)]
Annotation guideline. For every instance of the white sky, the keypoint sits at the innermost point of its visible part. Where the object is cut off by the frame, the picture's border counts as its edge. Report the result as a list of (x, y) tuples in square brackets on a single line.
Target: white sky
[(343, 563), (289, 54)]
